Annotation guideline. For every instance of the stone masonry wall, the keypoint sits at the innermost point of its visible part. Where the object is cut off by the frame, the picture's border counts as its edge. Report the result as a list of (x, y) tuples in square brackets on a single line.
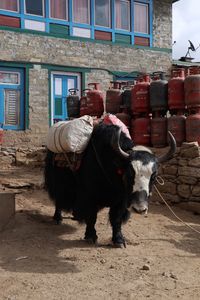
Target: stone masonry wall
[(181, 176)]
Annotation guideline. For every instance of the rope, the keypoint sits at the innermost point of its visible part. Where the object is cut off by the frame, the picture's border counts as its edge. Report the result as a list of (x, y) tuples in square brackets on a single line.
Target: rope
[(197, 231)]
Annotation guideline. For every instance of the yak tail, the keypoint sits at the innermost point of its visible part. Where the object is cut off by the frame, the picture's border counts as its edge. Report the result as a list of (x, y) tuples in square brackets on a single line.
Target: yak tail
[(49, 174)]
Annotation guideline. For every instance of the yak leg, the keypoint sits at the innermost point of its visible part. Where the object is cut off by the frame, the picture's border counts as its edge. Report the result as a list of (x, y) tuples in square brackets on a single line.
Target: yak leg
[(90, 233), (116, 223), (58, 215)]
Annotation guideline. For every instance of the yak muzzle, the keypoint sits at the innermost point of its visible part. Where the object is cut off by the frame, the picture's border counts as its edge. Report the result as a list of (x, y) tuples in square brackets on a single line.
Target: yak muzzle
[(139, 202)]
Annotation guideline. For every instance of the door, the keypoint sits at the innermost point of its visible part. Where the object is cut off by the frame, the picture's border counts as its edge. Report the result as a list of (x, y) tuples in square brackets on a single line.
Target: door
[(61, 86), (11, 98)]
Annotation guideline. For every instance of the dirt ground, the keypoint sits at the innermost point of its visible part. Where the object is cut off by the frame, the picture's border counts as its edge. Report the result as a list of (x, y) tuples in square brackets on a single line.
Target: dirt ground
[(41, 260)]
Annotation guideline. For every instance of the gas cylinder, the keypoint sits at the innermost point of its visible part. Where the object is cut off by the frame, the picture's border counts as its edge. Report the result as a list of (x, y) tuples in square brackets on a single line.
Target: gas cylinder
[(140, 131), (84, 109), (95, 100), (159, 93), (159, 131), (176, 124), (140, 102), (113, 97), (126, 98), (193, 127), (192, 89), (125, 118), (73, 104), (176, 90)]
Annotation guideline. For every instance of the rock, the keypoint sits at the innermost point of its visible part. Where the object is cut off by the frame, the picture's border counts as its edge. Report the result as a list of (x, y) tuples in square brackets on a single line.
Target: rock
[(188, 180), (189, 171), (190, 150), (146, 267), (195, 162), (196, 191), (184, 190), (170, 169), (168, 187), (191, 206)]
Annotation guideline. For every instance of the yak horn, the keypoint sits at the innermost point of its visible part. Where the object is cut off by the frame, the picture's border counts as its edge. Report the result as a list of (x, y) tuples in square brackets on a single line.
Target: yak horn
[(116, 146), (172, 150)]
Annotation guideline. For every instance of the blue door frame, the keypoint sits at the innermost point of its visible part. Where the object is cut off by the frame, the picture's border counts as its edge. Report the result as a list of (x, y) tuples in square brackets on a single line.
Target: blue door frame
[(16, 87), (61, 85)]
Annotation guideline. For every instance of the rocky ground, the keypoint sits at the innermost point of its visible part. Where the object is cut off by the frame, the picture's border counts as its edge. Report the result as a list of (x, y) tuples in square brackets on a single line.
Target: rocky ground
[(40, 260)]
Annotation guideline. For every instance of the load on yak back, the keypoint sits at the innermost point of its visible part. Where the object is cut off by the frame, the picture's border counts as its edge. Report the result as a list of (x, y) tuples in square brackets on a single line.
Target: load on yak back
[(108, 171)]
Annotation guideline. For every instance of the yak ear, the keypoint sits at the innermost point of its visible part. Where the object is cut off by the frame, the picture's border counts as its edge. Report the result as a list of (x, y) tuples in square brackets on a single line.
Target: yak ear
[(116, 146), (172, 142)]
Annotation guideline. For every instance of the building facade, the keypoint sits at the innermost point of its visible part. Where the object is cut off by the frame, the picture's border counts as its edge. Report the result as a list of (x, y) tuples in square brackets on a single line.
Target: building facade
[(50, 46)]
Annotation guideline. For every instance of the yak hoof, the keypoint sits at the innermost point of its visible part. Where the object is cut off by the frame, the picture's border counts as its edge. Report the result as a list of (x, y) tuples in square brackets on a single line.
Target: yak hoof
[(58, 221), (119, 242), (91, 239)]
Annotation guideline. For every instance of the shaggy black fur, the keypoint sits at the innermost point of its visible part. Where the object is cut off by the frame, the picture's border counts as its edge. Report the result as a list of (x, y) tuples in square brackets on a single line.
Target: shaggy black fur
[(104, 179)]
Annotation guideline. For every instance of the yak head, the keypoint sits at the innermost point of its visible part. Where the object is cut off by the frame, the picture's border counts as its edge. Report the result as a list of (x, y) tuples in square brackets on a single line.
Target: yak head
[(141, 171)]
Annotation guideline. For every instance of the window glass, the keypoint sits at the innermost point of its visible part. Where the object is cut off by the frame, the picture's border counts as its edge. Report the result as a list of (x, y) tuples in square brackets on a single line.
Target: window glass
[(102, 13), (81, 11), (34, 7), (122, 14), (9, 78), (9, 5), (59, 9), (141, 18)]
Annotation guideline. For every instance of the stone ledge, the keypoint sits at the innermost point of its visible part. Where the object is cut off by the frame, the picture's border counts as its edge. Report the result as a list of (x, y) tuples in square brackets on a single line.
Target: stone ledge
[(7, 208)]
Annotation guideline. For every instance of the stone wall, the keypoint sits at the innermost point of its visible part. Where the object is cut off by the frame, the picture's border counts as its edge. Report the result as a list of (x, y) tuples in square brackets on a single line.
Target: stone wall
[(181, 176)]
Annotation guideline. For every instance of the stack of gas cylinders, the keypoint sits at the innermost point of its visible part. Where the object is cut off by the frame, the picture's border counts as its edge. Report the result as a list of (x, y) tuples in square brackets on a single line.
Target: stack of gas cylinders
[(150, 107)]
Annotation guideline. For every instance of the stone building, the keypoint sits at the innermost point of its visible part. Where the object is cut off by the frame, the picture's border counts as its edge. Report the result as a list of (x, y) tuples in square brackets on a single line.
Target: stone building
[(49, 46)]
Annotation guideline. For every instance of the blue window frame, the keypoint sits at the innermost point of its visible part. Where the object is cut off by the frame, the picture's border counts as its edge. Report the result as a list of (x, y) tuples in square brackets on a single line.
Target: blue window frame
[(12, 104), (123, 20)]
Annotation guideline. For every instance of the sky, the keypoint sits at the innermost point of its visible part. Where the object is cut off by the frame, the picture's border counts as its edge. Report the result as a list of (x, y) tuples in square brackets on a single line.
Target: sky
[(186, 26)]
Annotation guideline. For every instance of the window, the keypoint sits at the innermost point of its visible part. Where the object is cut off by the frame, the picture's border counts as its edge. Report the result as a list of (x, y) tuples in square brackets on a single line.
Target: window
[(11, 5), (81, 10), (141, 17), (59, 9), (122, 14), (12, 98), (34, 7), (102, 13), (125, 22)]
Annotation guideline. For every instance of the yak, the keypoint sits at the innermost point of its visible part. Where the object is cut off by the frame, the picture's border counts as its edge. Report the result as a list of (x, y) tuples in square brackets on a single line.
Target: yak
[(113, 173)]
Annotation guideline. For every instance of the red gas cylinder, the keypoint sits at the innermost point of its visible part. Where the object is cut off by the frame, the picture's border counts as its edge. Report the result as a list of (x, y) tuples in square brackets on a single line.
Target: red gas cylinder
[(140, 102), (176, 90), (159, 93), (95, 100), (192, 89), (125, 118), (126, 98), (176, 124), (84, 109), (159, 132), (140, 131), (193, 127), (113, 97)]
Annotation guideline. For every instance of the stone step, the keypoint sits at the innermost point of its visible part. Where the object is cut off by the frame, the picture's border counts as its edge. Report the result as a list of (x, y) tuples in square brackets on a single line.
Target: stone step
[(7, 208)]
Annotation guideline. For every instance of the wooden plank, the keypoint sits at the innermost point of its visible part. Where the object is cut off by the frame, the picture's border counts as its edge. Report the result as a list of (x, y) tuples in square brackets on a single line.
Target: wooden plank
[(141, 41), (59, 29), (103, 35), (9, 21), (122, 38)]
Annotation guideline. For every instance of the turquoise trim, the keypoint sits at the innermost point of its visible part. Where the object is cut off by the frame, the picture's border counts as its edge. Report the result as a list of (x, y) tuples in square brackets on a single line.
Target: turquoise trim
[(17, 87)]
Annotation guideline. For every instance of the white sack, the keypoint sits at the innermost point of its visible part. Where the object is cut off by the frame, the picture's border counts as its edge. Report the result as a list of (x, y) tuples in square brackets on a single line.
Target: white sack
[(70, 136)]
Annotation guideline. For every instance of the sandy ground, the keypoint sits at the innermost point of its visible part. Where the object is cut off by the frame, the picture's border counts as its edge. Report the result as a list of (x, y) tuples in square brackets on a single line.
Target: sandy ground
[(41, 260)]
